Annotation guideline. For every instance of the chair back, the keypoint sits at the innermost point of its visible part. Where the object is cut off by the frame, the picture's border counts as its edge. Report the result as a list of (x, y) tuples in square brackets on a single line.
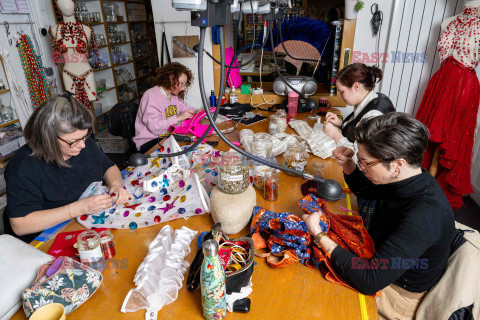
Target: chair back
[(121, 120)]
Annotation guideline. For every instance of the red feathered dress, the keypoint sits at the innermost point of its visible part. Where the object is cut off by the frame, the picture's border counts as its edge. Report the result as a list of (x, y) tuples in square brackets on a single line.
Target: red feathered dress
[(450, 104)]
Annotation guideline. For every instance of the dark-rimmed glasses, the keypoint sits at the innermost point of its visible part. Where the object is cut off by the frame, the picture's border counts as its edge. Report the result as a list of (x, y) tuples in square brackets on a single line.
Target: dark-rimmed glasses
[(365, 165), (76, 142)]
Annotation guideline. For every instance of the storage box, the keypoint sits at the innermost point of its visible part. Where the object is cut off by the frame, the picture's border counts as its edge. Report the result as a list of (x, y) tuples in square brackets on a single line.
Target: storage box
[(112, 144)]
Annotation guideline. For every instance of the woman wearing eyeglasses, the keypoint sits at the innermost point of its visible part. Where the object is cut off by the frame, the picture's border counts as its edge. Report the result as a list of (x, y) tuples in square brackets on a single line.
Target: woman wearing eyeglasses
[(46, 176), (162, 106), (413, 225)]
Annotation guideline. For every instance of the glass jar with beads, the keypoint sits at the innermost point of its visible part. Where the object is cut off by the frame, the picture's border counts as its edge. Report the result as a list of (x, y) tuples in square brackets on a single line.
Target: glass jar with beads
[(233, 173)]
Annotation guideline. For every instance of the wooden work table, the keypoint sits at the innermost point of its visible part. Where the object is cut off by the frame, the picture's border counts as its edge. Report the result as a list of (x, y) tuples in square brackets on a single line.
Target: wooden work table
[(295, 292)]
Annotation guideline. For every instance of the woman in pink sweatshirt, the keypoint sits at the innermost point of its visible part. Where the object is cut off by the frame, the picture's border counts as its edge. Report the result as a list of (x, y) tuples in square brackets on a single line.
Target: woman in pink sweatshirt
[(162, 106)]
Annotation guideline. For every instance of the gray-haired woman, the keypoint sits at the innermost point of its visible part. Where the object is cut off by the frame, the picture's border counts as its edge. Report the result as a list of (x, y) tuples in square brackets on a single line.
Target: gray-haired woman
[(46, 177), (413, 224)]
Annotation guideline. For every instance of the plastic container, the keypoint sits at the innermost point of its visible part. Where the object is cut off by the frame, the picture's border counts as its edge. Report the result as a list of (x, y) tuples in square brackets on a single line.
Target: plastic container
[(278, 122), (233, 173), (262, 145), (292, 104), (89, 249), (295, 157), (259, 171)]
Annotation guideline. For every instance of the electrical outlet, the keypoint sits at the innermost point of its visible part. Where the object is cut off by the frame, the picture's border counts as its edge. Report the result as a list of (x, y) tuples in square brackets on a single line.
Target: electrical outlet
[(257, 91)]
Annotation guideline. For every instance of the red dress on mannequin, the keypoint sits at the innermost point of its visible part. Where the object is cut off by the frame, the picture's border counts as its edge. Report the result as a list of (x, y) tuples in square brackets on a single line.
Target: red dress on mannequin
[(450, 104)]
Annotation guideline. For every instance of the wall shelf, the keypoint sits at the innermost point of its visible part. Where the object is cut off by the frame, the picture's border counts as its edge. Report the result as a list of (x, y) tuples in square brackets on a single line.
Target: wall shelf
[(4, 91), (101, 69), (8, 123)]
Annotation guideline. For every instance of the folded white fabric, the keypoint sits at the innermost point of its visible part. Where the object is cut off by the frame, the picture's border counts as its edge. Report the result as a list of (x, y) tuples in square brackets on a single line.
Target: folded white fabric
[(18, 270), (160, 275), (319, 143)]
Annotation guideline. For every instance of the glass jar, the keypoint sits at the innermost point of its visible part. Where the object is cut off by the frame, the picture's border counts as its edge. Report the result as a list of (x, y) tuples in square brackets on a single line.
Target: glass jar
[(8, 114), (278, 122), (295, 157), (262, 145), (107, 244), (233, 173), (259, 170), (89, 249), (270, 191)]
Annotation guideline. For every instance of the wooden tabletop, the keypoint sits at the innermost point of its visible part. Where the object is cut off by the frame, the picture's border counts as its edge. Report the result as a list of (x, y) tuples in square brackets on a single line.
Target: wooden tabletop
[(295, 292)]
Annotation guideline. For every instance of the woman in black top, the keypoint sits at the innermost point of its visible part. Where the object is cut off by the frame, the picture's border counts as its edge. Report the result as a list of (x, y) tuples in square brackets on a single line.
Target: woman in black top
[(46, 177), (413, 225)]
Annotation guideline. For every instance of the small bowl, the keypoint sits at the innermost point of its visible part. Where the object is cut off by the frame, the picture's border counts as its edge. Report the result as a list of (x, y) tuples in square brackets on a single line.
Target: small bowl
[(52, 311)]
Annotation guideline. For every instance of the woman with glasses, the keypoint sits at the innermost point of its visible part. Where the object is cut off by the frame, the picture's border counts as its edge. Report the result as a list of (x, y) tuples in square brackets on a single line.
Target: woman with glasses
[(413, 225), (162, 106), (46, 176)]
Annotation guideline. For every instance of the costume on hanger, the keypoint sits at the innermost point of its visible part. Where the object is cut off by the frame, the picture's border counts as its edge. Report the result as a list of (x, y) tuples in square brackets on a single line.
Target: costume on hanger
[(450, 104), (74, 33)]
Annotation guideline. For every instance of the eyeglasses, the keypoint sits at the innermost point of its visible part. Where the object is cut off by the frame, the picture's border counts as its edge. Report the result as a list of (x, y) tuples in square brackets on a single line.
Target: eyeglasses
[(365, 165), (182, 84), (76, 142)]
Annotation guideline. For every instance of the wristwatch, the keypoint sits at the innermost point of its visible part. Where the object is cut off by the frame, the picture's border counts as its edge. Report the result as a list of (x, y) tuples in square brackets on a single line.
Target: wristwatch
[(319, 236)]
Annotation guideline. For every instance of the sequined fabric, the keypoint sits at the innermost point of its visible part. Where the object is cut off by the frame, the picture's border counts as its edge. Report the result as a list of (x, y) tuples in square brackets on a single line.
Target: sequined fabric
[(287, 237)]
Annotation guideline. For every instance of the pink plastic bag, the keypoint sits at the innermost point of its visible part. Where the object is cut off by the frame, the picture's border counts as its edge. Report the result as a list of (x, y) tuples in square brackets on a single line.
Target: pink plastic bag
[(193, 126)]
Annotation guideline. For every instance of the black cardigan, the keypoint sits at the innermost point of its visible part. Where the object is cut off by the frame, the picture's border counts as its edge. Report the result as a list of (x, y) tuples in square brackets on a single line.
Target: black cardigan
[(412, 228), (382, 103)]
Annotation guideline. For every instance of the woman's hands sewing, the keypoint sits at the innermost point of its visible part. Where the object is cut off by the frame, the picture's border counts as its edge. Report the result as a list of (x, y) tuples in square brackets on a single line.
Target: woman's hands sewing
[(186, 115), (332, 131), (333, 119), (313, 222), (119, 194), (343, 156), (90, 205)]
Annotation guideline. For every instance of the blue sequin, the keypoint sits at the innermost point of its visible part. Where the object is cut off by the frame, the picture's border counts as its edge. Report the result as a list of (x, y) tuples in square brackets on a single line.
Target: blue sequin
[(154, 184), (207, 170), (112, 210), (181, 210), (189, 187), (151, 208), (214, 173), (163, 191), (132, 225)]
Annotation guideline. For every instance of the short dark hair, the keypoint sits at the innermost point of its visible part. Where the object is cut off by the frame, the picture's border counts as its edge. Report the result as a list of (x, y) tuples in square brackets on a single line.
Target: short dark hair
[(52, 118), (361, 73), (394, 135)]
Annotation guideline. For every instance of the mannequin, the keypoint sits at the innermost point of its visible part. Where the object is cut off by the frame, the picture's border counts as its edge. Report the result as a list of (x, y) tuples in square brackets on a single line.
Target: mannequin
[(72, 40), (450, 104)]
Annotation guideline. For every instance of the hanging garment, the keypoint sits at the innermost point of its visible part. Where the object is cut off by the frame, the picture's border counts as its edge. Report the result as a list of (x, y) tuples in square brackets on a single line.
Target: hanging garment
[(17, 95), (450, 104), (287, 237)]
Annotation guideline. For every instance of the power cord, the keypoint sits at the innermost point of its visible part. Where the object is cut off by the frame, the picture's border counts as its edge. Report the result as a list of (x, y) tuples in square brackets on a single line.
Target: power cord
[(376, 22)]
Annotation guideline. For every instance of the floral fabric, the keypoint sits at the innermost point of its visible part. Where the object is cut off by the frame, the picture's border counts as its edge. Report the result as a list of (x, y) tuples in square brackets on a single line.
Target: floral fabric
[(71, 286)]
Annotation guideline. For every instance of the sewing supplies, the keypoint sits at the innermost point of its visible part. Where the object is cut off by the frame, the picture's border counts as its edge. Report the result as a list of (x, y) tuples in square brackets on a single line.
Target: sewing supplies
[(107, 244), (38, 86), (347, 210), (89, 250), (233, 256), (212, 281), (270, 191)]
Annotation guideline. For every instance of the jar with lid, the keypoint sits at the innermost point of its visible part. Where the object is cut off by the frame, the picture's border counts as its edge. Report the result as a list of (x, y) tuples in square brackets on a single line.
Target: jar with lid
[(8, 114), (271, 184), (262, 145), (89, 249), (278, 122), (295, 157), (233, 173)]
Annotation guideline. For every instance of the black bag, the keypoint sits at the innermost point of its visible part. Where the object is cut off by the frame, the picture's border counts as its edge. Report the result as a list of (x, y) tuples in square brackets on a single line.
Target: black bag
[(234, 281)]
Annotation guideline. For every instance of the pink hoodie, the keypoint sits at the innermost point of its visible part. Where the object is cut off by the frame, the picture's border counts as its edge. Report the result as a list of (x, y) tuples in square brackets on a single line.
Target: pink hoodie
[(156, 114)]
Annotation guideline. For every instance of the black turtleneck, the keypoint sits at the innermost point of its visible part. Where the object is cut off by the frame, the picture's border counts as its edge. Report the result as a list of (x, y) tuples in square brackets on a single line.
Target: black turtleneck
[(412, 228)]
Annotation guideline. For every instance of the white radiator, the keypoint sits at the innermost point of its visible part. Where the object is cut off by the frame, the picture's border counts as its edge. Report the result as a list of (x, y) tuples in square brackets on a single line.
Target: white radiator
[(412, 49)]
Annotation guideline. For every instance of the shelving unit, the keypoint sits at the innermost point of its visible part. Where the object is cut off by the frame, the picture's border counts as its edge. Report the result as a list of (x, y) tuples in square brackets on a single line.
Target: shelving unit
[(135, 16), (5, 97)]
